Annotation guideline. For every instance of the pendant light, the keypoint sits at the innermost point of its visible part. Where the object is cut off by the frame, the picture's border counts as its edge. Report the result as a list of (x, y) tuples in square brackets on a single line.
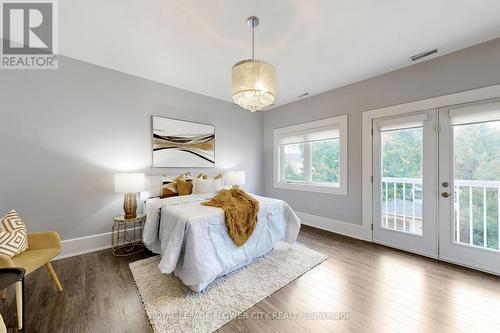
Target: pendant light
[(253, 81)]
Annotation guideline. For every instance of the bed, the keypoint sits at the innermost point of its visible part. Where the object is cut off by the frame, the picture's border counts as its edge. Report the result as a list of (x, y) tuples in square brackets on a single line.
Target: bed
[(193, 241)]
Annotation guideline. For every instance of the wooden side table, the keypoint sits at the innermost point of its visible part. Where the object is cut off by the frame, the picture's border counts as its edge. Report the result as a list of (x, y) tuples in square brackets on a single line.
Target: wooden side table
[(9, 276), (126, 236)]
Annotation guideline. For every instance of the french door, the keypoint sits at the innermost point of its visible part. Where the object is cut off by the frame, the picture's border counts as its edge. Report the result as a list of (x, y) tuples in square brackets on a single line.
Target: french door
[(404, 182), (436, 183), (469, 200)]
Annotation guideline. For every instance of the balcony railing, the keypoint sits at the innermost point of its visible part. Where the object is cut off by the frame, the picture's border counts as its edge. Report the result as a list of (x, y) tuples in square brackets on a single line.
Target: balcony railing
[(474, 200), (477, 201), (402, 204)]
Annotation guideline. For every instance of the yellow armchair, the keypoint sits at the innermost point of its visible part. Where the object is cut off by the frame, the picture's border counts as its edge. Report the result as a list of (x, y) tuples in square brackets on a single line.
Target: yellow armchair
[(42, 248)]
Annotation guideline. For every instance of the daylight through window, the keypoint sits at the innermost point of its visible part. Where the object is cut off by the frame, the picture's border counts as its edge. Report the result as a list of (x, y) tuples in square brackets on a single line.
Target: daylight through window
[(310, 156)]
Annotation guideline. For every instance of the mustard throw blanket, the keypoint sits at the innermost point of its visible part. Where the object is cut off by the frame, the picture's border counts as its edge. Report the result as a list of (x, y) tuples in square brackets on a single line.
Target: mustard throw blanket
[(240, 211)]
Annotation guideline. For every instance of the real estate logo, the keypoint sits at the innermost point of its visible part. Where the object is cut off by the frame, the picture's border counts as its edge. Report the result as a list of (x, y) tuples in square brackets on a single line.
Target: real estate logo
[(29, 34)]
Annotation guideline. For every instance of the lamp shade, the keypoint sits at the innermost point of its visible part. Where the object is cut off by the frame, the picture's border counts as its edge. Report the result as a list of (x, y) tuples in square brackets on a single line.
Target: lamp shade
[(235, 178), (253, 84), (129, 182)]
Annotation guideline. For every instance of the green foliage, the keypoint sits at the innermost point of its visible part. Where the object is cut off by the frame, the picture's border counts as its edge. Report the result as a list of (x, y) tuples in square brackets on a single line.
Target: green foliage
[(402, 153), (325, 161), (477, 217), (294, 162), (477, 152), (292, 174)]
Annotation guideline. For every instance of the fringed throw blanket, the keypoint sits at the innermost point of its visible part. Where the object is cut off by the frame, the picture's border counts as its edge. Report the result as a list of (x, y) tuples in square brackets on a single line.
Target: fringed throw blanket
[(240, 211)]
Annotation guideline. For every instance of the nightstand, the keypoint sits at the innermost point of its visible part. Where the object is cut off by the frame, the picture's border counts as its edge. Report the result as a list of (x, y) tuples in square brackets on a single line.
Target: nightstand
[(126, 236)]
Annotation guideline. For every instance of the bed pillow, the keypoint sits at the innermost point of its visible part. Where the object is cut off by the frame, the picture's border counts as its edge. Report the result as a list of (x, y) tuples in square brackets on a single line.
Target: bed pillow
[(201, 186), (13, 235), (184, 187), (168, 187)]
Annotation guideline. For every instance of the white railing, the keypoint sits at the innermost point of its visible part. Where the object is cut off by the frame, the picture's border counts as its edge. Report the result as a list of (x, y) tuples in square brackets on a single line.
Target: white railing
[(483, 186), (408, 221), (395, 204)]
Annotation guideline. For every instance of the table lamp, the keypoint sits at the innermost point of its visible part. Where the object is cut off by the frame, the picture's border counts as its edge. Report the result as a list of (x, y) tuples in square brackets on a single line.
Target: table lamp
[(130, 184), (235, 178)]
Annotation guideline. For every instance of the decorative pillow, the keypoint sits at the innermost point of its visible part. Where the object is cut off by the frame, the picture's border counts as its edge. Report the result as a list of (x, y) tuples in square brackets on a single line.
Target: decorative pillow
[(168, 187), (184, 187), (202, 176), (201, 186), (170, 184), (219, 176), (13, 236)]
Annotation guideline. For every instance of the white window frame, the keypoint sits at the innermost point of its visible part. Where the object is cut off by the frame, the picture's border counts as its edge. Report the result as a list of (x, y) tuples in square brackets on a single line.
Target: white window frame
[(339, 122)]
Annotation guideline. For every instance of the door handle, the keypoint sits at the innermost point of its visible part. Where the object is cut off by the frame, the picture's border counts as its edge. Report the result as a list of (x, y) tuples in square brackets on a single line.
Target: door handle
[(446, 194)]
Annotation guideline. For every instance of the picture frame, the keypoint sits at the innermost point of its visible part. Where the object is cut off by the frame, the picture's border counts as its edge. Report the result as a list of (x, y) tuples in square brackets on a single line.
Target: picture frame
[(182, 144)]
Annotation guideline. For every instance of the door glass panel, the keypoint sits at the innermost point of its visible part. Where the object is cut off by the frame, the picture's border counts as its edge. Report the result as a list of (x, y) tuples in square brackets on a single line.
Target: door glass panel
[(401, 180), (477, 184)]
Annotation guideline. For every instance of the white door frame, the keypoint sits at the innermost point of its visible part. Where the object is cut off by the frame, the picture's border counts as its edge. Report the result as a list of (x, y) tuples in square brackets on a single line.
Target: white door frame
[(367, 119)]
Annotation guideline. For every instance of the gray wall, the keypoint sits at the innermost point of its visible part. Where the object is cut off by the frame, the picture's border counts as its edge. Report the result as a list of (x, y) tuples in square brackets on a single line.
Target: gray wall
[(467, 69), (65, 132)]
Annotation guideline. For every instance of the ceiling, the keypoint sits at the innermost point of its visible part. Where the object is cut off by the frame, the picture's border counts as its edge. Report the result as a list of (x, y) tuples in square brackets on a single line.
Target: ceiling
[(315, 45)]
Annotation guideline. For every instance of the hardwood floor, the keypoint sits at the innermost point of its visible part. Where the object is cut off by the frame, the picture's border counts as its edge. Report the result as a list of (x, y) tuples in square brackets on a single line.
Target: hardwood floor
[(379, 290)]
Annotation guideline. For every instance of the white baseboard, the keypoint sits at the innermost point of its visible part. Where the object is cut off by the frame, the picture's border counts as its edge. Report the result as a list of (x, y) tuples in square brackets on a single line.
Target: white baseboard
[(347, 229), (81, 245)]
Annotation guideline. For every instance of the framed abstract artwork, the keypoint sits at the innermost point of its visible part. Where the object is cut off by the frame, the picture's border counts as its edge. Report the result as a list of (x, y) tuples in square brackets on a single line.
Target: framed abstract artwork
[(182, 144)]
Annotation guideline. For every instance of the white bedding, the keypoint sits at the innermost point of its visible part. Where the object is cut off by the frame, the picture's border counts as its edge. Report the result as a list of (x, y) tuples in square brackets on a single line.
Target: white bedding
[(194, 243)]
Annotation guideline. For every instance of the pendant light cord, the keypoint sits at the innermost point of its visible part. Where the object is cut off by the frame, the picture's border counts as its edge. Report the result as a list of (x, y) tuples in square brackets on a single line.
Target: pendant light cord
[(253, 41)]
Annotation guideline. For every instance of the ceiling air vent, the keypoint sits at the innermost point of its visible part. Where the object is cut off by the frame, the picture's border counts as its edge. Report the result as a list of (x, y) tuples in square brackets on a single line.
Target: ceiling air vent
[(422, 55)]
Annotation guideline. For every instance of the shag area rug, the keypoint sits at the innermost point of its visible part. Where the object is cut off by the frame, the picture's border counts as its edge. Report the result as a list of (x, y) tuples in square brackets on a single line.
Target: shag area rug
[(173, 307)]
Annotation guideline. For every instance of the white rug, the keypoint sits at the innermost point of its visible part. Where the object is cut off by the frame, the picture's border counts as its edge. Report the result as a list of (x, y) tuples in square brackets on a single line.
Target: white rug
[(172, 307)]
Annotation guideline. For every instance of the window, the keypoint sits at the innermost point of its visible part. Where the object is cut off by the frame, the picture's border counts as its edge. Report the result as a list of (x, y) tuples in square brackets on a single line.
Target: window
[(312, 156)]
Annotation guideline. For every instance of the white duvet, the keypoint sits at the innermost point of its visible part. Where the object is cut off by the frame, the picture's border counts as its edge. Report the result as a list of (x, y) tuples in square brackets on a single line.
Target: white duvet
[(194, 243)]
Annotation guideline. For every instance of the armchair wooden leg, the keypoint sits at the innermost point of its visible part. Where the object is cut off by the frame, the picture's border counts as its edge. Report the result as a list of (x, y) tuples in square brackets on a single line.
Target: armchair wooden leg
[(54, 276), (4, 294), (19, 303)]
